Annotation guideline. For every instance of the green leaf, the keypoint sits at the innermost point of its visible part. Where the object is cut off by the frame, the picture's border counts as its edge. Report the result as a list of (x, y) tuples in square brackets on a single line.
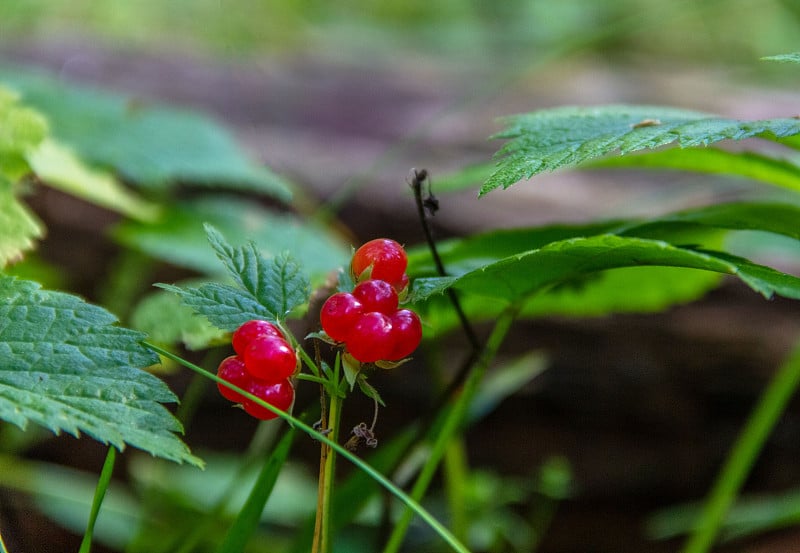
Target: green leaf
[(517, 277), (152, 146), (20, 227), (550, 139), (249, 516), (794, 57), (266, 289), (65, 366), (762, 168), (179, 238), (21, 128), (166, 319), (58, 166)]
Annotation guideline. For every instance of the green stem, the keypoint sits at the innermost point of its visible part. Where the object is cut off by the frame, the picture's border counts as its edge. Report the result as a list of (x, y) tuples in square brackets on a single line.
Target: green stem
[(456, 473), (744, 453), (329, 470), (2, 545), (423, 513), (99, 495), (453, 422)]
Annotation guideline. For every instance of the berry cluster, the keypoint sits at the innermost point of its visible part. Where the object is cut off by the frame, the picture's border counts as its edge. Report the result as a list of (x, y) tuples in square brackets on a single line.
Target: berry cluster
[(367, 320), (263, 364)]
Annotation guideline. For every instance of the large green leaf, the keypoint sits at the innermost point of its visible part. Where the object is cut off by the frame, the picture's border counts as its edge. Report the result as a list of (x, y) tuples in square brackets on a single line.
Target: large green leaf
[(266, 289), (152, 146), (66, 366), (550, 139), (515, 278), (766, 169), (178, 237)]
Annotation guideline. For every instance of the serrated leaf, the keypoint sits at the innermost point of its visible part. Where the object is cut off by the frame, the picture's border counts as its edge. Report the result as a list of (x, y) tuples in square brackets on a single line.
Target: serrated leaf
[(550, 139), (794, 57), (167, 320), (179, 238), (66, 366), (766, 169), (516, 277), (21, 128), (20, 227), (58, 166), (152, 146)]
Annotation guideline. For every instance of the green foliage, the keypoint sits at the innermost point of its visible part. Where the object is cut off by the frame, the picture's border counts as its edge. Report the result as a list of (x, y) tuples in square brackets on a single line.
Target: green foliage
[(178, 237), (794, 57), (154, 147), (550, 139), (65, 366), (267, 289)]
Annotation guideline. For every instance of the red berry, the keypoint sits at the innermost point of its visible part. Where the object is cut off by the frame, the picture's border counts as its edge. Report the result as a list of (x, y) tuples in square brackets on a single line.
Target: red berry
[(251, 330), (407, 333), (270, 359), (376, 295), (232, 370), (278, 394), (386, 257), (371, 338), (338, 315)]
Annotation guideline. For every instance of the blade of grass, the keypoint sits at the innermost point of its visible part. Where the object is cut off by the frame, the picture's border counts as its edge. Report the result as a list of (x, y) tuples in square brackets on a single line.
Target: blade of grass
[(249, 517), (99, 494), (455, 419), (2, 545), (423, 513), (743, 455)]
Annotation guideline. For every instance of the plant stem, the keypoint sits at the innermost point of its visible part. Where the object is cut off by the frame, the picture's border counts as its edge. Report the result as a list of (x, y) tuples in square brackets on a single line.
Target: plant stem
[(329, 469), (423, 513), (99, 495), (455, 417), (744, 453), (2, 545)]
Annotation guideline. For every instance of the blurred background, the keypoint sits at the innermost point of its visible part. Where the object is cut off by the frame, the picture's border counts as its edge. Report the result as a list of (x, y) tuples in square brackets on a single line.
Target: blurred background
[(634, 413)]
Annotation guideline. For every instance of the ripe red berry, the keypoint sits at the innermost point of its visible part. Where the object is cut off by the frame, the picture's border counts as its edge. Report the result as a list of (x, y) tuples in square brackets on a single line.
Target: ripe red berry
[(270, 359), (386, 257), (338, 315), (376, 295), (232, 370), (251, 330), (407, 334), (371, 338), (278, 394)]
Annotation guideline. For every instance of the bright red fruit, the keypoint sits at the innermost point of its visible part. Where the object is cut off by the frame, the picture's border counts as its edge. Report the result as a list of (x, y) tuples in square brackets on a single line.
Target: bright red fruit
[(371, 338), (338, 315), (376, 295), (278, 394), (387, 258), (232, 370), (251, 330), (270, 359), (407, 334)]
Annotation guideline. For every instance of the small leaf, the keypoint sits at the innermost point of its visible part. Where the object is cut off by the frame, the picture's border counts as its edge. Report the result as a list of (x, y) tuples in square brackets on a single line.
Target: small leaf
[(65, 366), (352, 369), (550, 139), (20, 227), (369, 390), (168, 321)]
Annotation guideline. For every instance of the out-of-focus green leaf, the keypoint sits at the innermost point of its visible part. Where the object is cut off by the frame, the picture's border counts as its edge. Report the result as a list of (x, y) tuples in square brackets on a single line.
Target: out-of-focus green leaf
[(20, 227), (766, 169), (550, 139), (152, 146), (65, 366), (178, 237), (250, 514), (794, 57), (61, 169)]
